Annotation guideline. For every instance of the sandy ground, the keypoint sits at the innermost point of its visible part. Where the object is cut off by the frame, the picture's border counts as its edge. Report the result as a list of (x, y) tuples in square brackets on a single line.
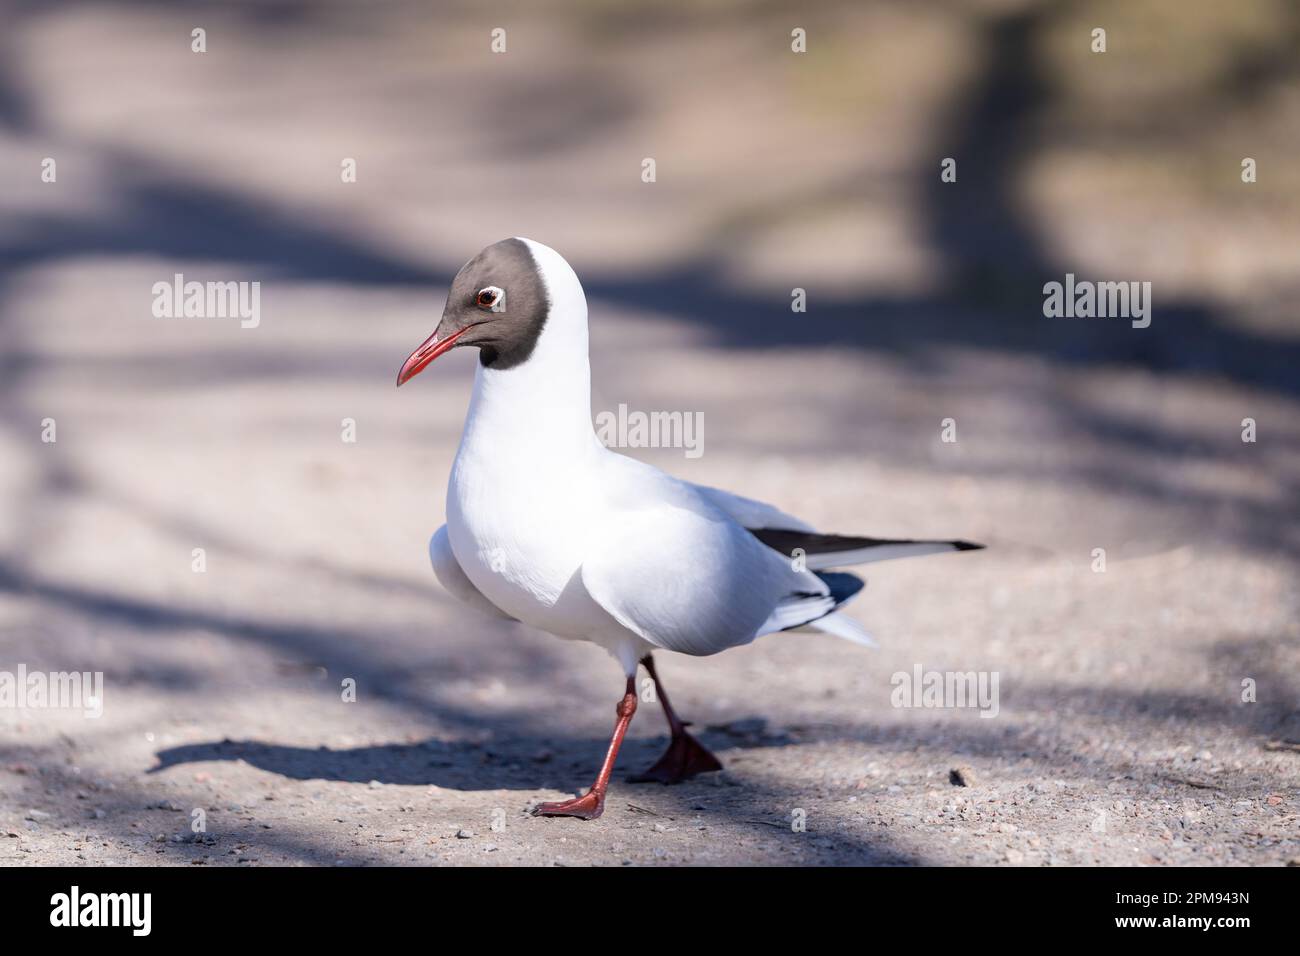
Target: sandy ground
[(1124, 732)]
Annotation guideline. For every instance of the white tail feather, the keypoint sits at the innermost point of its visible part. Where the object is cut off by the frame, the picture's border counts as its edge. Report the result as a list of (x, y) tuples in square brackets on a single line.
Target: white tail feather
[(845, 628)]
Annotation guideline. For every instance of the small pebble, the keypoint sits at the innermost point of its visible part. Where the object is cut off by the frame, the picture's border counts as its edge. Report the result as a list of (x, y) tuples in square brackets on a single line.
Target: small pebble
[(961, 777)]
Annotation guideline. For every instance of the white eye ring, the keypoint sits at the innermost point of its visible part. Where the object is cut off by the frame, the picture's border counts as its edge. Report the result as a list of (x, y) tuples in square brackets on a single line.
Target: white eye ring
[(491, 297)]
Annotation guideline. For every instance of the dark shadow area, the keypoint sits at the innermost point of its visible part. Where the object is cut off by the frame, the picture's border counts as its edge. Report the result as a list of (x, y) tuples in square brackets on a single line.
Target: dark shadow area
[(179, 219)]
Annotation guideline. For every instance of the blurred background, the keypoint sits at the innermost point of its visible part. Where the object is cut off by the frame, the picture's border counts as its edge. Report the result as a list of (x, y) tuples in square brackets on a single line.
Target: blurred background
[(775, 170)]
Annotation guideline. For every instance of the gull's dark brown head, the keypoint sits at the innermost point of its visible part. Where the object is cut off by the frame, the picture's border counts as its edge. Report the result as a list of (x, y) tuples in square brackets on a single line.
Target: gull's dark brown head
[(497, 302)]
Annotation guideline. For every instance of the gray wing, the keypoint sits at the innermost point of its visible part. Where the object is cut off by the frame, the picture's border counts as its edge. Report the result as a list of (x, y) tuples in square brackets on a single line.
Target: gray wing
[(682, 574), (749, 513), (452, 577)]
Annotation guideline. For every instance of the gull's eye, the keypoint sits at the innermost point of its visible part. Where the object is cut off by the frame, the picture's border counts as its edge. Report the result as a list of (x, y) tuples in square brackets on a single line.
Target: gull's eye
[(490, 297)]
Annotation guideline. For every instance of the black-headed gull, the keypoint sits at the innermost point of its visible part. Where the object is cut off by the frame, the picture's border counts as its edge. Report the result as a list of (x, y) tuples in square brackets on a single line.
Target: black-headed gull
[(547, 526)]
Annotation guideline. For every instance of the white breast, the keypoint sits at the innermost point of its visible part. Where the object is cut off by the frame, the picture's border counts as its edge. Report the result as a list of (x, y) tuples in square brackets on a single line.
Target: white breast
[(518, 536)]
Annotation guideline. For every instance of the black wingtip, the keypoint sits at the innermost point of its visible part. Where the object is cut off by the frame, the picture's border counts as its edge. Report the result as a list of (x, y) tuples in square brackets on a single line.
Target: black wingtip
[(842, 584), (967, 546)]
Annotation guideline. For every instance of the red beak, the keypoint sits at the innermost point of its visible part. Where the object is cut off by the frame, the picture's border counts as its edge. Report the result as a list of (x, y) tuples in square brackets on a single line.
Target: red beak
[(429, 350)]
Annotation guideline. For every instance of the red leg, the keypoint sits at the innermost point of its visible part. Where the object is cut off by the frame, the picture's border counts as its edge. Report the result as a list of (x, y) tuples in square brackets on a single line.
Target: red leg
[(592, 803), (685, 756)]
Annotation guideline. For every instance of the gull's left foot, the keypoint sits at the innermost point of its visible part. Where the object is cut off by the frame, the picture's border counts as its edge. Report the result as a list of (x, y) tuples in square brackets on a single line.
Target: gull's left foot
[(684, 758)]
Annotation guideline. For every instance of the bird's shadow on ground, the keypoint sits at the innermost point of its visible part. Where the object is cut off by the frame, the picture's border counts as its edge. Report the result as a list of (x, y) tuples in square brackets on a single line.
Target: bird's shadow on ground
[(520, 762), (758, 807), (519, 759)]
